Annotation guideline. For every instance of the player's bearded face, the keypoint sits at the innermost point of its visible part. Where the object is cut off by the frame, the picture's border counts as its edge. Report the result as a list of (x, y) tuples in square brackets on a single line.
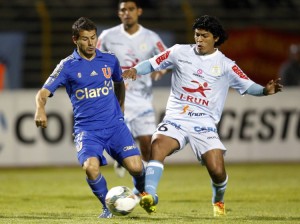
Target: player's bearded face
[(205, 41), (86, 43)]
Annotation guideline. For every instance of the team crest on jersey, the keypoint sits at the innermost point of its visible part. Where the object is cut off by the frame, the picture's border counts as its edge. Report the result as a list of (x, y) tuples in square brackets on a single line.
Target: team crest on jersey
[(106, 72), (143, 47), (200, 89), (215, 70)]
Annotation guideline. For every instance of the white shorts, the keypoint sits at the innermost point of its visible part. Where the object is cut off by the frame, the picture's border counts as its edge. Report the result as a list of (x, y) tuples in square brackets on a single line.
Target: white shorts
[(201, 134), (142, 125)]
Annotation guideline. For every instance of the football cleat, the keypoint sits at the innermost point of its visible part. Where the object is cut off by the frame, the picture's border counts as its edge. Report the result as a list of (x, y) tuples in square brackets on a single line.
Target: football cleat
[(106, 214), (148, 203), (219, 209), (119, 169)]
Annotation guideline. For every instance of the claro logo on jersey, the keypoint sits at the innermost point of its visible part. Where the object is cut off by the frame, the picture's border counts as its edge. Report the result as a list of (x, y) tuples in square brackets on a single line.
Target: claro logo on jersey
[(87, 93), (239, 72), (163, 57)]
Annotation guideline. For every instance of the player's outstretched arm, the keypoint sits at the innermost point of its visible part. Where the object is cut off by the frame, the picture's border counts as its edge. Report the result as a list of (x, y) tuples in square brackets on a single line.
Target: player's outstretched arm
[(40, 117), (273, 87), (142, 68)]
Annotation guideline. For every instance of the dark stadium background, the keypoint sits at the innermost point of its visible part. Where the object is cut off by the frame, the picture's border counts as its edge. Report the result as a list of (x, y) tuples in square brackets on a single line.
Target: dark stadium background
[(260, 31)]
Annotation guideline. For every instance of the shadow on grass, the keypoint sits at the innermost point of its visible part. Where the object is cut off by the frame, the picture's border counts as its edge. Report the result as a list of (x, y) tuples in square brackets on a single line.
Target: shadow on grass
[(271, 218), (54, 216)]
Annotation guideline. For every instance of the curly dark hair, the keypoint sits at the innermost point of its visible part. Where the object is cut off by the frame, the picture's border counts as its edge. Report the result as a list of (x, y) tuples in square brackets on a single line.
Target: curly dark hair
[(82, 23), (211, 24)]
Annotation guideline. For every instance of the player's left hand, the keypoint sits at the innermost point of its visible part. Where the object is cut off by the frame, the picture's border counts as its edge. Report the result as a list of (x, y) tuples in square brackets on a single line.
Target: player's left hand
[(273, 87), (129, 74)]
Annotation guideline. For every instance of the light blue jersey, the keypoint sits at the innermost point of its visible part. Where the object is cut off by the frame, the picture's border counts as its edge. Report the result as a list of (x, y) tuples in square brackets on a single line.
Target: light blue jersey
[(89, 85)]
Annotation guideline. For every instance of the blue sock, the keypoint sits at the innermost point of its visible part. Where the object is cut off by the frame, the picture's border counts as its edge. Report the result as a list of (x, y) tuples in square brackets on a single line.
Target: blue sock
[(218, 191), (153, 174), (99, 188), (139, 182)]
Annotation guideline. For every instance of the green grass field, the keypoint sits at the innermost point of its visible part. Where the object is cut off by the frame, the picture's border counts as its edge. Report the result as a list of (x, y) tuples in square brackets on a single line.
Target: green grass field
[(256, 193)]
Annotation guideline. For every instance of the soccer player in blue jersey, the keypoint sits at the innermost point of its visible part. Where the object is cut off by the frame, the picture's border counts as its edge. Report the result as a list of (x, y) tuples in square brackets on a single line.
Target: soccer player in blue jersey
[(96, 89)]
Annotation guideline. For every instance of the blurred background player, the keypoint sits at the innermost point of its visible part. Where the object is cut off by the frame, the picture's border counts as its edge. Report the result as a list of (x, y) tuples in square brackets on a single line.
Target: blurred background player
[(96, 89), (290, 69), (132, 43), (201, 78)]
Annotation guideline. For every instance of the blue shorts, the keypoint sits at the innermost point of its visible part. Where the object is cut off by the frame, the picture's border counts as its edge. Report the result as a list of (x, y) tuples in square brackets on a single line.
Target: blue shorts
[(117, 141)]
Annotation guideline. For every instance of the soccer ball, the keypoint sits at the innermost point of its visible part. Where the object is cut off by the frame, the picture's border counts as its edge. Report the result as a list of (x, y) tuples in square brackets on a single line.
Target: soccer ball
[(120, 200)]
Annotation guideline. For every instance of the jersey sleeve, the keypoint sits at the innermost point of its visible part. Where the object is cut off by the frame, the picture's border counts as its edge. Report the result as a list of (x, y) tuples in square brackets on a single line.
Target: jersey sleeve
[(238, 80), (159, 45), (164, 59), (117, 72), (57, 78)]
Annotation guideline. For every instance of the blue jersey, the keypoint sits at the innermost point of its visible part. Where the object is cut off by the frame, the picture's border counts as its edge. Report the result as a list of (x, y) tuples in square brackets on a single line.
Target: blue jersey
[(89, 85)]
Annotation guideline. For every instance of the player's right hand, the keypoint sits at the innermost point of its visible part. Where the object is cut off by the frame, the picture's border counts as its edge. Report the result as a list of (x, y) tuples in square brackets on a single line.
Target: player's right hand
[(129, 74), (40, 120)]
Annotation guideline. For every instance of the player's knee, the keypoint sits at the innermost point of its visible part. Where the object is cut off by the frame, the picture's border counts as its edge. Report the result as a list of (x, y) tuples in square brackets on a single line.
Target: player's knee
[(160, 150), (135, 168), (218, 175), (91, 169)]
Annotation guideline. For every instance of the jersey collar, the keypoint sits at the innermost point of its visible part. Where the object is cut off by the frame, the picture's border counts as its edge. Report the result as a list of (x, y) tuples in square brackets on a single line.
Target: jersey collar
[(131, 35), (78, 57), (206, 56)]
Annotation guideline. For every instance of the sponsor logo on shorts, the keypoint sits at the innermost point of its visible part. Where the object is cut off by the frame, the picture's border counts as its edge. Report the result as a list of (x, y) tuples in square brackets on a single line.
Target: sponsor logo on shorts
[(177, 126), (212, 137), (78, 141), (203, 129), (129, 147)]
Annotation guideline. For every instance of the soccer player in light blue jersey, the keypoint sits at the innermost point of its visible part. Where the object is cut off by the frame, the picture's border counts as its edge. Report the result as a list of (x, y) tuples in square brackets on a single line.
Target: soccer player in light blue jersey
[(201, 78), (96, 89)]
